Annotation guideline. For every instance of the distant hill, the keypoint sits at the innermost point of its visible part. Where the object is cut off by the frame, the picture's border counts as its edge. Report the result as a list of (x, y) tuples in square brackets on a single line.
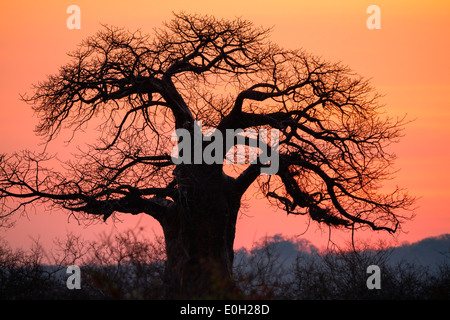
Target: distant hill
[(430, 252)]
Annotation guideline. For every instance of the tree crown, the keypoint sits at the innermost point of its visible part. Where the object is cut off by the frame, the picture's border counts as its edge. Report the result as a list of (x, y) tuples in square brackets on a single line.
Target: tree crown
[(228, 75)]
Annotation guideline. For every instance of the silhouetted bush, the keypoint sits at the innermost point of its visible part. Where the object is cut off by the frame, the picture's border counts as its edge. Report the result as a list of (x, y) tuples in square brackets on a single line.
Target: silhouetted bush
[(336, 274), (128, 267)]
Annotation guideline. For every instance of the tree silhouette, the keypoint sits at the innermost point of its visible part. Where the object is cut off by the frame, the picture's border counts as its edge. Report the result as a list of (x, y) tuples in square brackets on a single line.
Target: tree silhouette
[(228, 75)]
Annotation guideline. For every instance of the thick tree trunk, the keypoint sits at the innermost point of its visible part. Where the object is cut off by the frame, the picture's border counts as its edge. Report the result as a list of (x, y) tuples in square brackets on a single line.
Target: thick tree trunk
[(199, 234)]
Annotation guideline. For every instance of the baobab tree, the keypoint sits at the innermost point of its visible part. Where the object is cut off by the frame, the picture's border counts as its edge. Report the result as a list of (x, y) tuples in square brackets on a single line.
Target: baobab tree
[(142, 91)]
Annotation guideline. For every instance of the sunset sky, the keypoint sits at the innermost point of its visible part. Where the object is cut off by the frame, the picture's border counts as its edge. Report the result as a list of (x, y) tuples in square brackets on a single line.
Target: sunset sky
[(407, 60)]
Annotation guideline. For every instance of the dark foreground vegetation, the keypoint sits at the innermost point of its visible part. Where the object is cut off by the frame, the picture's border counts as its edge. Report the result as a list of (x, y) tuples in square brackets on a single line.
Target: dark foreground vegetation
[(126, 266)]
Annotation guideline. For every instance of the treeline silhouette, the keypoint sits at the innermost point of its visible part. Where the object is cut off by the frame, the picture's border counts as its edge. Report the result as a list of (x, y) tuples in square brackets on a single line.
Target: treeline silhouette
[(127, 266)]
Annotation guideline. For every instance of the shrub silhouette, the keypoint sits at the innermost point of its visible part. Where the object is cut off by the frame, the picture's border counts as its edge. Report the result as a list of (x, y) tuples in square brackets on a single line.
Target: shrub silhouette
[(126, 267)]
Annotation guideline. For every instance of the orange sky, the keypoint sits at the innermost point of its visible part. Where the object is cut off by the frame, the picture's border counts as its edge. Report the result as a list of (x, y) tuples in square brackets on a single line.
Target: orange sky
[(407, 60)]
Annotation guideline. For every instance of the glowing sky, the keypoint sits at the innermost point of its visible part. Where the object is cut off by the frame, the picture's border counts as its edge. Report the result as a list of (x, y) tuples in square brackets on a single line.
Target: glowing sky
[(407, 60)]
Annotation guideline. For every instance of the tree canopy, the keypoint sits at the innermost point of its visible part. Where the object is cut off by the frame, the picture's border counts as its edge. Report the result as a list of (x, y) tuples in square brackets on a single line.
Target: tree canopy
[(333, 142)]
